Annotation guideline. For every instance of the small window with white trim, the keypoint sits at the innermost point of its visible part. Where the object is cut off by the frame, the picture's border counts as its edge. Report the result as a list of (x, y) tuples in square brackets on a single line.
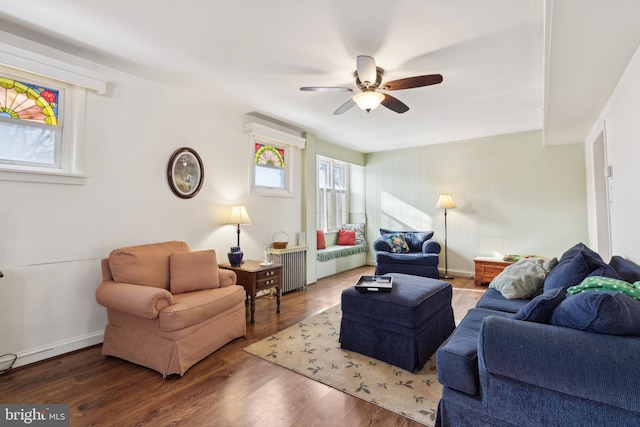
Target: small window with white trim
[(272, 160), (31, 123), (42, 119)]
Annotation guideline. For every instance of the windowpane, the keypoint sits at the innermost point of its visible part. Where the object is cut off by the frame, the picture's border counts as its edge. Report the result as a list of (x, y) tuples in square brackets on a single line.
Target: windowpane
[(333, 196), (27, 144), (269, 166), (323, 175), (338, 177), (269, 177)]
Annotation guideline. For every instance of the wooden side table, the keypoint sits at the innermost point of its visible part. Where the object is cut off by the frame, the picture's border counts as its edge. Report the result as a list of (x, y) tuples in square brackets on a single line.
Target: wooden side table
[(488, 268), (255, 277)]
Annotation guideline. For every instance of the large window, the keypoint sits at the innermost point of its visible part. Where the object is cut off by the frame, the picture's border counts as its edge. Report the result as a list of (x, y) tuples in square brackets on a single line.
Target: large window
[(333, 194)]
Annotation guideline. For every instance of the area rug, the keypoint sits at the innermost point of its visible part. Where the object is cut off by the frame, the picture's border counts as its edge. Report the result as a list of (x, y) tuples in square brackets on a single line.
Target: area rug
[(311, 348)]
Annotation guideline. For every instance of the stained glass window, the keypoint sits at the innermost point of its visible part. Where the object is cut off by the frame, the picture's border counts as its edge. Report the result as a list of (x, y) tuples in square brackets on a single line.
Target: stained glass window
[(269, 166), (26, 101), (30, 128)]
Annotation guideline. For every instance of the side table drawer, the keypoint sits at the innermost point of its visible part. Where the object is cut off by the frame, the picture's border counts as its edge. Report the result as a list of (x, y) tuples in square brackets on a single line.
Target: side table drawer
[(268, 279)]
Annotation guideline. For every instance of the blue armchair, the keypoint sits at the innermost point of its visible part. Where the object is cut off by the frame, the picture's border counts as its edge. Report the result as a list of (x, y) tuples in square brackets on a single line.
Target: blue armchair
[(408, 252)]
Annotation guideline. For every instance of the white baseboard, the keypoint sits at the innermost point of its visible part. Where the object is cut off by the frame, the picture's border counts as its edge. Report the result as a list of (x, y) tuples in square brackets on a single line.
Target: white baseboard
[(57, 348)]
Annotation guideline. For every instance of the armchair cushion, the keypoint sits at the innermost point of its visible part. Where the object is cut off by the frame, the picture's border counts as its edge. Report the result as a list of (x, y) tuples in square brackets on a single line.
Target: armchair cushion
[(414, 239), (146, 265), (193, 271)]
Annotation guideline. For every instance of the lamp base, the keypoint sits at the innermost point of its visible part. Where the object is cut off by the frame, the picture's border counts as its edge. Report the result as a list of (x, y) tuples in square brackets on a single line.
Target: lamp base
[(235, 256), (447, 277)]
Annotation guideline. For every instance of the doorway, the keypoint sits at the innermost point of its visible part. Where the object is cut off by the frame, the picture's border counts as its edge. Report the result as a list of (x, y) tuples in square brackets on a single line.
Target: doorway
[(601, 176)]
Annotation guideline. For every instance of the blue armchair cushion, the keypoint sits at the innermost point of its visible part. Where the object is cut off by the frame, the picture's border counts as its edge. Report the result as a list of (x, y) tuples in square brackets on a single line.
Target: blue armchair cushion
[(410, 258), (414, 239), (611, 313), (541, 308)]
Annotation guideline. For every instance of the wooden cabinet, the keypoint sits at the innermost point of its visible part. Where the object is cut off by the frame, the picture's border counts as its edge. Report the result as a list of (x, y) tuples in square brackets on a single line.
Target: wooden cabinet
[(488, 268)]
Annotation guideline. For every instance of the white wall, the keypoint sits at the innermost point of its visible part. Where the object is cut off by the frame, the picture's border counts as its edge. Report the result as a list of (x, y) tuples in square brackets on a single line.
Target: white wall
[(52, 237), (513, 196), (619, 120)]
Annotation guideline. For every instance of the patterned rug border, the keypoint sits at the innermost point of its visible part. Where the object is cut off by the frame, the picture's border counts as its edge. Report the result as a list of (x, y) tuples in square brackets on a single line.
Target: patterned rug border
[(412, 395)]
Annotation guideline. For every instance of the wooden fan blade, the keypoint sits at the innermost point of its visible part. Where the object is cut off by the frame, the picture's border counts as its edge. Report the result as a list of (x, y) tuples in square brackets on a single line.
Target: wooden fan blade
[(411, 82), (366, 69), (344, 107), (394, 104), (326, 89)]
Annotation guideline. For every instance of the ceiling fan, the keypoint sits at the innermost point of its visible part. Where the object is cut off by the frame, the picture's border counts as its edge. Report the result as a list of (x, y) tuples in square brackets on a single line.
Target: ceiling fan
[(369, 82)]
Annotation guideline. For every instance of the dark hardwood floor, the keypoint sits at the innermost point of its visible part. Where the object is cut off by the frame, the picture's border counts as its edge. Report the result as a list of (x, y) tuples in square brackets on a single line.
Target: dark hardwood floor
[(228, 388)]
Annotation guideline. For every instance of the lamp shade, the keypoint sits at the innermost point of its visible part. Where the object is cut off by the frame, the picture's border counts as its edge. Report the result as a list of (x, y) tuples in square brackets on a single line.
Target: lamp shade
[(445, 201), (238, 215), (368, 100)]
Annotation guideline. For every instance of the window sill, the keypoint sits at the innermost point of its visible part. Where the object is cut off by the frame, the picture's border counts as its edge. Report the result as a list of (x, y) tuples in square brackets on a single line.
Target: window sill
[(42, 177)]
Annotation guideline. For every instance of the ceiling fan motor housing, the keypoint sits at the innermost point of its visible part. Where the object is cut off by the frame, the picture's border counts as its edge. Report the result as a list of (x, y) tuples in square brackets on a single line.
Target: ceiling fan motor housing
[(374, 85)]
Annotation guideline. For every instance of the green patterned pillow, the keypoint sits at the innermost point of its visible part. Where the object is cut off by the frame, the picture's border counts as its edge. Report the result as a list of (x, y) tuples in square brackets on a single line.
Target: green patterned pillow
[(397, 243), (599, 283)]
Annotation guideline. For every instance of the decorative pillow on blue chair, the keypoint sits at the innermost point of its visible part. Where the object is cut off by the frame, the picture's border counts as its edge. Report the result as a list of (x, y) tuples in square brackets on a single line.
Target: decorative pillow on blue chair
[(611, 313), (397, 242)]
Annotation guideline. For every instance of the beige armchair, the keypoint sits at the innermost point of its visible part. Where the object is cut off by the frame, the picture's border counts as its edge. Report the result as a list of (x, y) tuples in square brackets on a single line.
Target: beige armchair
[(167, 307)]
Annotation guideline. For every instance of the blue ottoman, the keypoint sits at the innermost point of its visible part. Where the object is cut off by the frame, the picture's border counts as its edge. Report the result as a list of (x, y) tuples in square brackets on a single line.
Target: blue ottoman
[(403, 327)]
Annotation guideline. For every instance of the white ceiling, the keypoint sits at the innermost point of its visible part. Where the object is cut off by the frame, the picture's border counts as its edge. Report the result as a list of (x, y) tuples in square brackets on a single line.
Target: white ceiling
[(508, 65)]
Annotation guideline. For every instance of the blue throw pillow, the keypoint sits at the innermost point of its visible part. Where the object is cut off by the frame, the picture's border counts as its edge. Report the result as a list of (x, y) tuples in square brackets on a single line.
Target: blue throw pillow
[(611, 313), (568, 272), (629, 271), (541, 308)]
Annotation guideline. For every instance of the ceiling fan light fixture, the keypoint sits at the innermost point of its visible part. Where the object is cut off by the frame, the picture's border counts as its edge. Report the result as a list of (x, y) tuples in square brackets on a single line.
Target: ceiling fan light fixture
[(368, 100)]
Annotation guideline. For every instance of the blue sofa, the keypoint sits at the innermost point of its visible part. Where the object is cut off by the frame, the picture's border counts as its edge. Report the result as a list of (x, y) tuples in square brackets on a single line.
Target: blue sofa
[(408, 252), (558, 359)]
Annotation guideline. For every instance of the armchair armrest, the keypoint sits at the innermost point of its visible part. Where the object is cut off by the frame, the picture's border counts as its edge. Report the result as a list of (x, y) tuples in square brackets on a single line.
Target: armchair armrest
[(430, 246), (141, 301), (227, 277), (381, 245), (597, 367)]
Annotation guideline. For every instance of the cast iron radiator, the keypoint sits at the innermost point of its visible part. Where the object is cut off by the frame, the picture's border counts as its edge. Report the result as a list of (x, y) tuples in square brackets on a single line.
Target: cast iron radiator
[(294, 266)]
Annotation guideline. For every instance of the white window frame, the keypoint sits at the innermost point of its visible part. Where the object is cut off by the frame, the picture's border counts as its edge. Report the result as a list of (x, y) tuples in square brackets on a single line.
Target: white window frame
[(74, 83), (327, 214), (268, 136)]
